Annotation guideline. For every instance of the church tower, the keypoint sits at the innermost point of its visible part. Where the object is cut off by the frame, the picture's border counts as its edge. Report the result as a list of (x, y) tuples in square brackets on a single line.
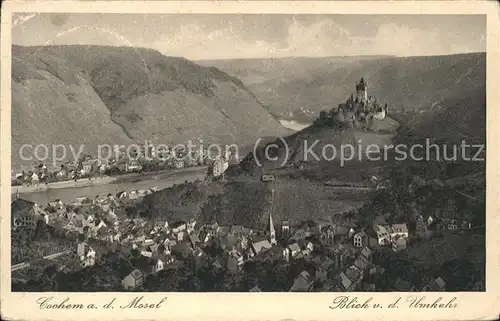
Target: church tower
[(272, 231)]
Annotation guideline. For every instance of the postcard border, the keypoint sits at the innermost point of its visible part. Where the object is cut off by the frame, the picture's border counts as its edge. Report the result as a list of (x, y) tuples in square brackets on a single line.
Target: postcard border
[(310, 306)]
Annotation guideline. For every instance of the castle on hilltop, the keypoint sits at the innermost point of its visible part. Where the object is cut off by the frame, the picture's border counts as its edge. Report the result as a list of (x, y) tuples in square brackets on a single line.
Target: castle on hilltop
[(358, 110)]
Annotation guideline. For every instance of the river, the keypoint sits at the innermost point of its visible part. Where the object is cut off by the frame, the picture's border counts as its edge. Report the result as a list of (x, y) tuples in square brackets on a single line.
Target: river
[(162, 180), (294, 125)]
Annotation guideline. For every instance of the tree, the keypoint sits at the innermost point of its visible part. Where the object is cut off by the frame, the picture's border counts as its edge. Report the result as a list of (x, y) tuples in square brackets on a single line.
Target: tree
[(459, 274)]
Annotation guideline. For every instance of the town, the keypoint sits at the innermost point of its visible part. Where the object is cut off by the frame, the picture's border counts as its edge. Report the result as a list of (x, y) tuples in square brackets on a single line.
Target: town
[(300, 256), (145, 159)]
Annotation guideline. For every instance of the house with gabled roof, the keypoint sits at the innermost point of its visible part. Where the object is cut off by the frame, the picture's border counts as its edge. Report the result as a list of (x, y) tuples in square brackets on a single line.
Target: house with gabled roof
[(355, 275), (399, 229), (362, 263), (261, 246), (403, 286), (291, 250), (323, 269), (367, 252), (436, 285), (304, 282), (133, 280), (341, 253), (360, 239), (23, 214), (327, 236), (346, 282), (399, 243), (255, 289), (383, 234)]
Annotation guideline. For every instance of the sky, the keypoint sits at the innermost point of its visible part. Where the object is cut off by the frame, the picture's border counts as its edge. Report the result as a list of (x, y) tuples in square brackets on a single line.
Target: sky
[(230, 36)]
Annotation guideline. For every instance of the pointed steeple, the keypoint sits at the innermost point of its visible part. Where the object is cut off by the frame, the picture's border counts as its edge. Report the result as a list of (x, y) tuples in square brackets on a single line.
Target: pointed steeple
[(272, 231)]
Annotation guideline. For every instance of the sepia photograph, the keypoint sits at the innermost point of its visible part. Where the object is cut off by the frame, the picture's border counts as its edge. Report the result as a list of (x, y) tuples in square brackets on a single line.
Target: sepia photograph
[(236, 153), (189, 159)]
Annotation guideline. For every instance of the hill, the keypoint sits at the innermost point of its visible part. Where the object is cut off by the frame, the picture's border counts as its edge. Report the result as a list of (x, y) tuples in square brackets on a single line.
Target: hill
[(248, 202), (261, 70), (265, 75), (408, 84), (120, 95)]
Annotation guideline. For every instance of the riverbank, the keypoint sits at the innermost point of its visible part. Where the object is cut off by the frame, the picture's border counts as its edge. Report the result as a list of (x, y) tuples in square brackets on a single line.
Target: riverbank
[(294, 125), (159, 180), (22, 189)]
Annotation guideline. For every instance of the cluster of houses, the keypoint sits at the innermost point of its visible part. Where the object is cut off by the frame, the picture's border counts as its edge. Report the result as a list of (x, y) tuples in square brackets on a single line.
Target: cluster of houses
[(344, 265), (100, 218), (88, 167), (342, 256)]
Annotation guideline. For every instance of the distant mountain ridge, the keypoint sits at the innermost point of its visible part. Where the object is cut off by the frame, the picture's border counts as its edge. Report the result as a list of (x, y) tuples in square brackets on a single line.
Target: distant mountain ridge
[(95, 95), (301, 88), (258, 70)]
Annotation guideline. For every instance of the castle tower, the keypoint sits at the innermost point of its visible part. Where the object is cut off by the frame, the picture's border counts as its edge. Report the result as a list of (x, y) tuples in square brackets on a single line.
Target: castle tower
[(362, 90)]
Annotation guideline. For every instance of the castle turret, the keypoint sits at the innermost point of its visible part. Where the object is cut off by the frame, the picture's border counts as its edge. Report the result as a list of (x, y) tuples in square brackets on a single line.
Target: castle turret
[(362, 90)]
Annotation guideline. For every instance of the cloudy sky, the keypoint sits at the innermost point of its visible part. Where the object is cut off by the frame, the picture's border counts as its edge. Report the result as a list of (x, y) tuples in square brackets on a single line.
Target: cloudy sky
[(259, 36)]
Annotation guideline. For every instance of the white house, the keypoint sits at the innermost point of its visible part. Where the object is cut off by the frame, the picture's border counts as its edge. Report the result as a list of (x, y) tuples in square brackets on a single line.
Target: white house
[(45, 218), (310, 246), (291, 251), (383, 234), (398, 243), (146, 253), (399, 229), (219, 166), (86, 253), (159, 265), (190, 226), (380, 115), (178, 228), (133, 280), (133, 166), (35, 178), (360, 239), (101, 225)]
